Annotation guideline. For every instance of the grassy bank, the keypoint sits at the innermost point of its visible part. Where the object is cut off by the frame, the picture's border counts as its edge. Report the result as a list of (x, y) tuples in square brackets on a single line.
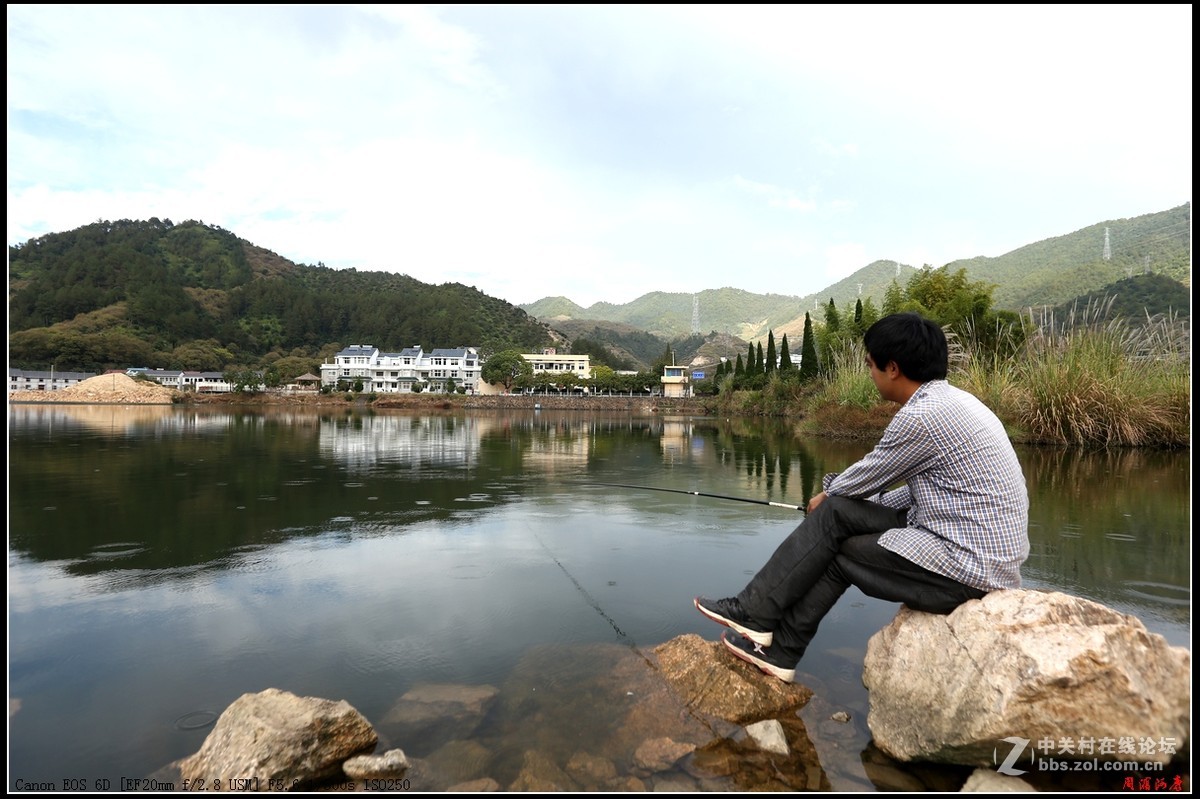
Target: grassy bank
[(1081, 382)]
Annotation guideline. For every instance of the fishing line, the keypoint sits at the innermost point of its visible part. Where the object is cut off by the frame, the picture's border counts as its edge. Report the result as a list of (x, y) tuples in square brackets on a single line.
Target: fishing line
[(587, 597), (701, 494), (700, 718)]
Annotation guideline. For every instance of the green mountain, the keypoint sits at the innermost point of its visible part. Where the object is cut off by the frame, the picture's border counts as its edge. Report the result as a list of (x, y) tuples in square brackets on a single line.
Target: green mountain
[(1048, 272), (195, 296), (669, 315)]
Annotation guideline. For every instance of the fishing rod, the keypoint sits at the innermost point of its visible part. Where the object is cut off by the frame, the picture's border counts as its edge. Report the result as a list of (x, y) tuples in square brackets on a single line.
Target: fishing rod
[(701, 494)]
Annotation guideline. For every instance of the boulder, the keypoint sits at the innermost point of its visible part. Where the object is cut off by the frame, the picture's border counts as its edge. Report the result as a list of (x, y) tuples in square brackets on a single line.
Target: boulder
[(277, 740), (712, 681), (1030, 665)]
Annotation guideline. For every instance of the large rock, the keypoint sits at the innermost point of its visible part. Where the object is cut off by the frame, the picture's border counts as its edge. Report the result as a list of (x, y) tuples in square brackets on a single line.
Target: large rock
[(278, 741), (711, 680), (1033, 665)]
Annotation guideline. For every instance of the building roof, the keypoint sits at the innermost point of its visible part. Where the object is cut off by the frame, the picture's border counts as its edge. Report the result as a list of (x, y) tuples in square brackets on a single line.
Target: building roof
[(359, 351), (56, 374)]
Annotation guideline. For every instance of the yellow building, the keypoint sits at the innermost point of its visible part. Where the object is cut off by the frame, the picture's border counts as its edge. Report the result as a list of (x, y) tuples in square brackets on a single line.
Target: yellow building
[(675, 382)]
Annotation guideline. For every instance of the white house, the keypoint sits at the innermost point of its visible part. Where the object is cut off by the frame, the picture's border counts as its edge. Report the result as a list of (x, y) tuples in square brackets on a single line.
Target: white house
[(399, 372)]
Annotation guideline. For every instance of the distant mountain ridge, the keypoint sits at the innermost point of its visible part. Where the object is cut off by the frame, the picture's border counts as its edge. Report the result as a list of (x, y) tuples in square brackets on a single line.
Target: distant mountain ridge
[(1049, 272)]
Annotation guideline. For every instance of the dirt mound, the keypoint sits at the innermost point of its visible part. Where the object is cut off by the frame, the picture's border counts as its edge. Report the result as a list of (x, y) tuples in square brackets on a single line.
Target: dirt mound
[(116, 389)]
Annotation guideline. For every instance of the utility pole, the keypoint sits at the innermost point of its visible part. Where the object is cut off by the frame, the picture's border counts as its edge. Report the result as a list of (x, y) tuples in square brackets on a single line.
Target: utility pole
[(1107, 247), (695, 313)]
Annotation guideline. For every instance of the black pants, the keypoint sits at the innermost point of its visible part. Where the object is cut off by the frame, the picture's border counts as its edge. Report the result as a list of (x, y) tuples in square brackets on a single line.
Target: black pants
[(835, 547)]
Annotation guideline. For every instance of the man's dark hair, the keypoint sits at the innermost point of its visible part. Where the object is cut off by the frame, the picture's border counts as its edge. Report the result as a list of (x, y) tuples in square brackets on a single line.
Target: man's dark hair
[(917, 345)]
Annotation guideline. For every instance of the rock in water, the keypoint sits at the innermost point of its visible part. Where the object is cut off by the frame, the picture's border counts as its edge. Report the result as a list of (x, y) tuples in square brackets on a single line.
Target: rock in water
[(276, 740)]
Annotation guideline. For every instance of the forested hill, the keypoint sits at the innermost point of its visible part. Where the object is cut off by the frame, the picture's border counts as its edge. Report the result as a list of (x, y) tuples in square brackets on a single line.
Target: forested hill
[(194, 296)]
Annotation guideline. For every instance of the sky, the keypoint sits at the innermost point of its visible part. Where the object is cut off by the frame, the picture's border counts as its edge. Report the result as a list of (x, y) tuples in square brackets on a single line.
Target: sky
[(602, 152)]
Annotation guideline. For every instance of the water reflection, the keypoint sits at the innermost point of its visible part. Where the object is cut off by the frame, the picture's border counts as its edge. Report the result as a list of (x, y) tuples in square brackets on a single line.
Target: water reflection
[(186, 556)]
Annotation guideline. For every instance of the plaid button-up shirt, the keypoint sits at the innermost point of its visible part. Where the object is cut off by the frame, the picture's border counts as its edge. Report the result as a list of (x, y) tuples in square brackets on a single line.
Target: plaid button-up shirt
[(968, 507)]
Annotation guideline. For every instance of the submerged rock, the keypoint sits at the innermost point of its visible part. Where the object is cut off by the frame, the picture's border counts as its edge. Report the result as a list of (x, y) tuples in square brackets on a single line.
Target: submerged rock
[(431, 713)]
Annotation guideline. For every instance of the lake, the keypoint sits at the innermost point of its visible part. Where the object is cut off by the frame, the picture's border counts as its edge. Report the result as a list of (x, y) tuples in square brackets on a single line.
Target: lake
[(165, 560)]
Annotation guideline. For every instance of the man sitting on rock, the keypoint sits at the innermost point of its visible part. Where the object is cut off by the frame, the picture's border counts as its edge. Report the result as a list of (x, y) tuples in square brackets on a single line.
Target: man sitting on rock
[(936, 514)]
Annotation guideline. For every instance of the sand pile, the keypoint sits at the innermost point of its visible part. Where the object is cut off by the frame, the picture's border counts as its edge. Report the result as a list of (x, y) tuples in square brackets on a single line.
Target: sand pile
[(117, 389)]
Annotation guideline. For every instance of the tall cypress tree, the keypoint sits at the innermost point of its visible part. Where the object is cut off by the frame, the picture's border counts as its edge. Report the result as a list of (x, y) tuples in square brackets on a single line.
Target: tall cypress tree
[(739, 369), (785, 358), (769, 366), (761, 360), (808, 352), (750, 364)]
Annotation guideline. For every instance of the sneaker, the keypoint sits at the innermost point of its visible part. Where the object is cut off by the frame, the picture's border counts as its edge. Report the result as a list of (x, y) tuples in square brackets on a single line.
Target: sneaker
[(756, 655), (729, 612)]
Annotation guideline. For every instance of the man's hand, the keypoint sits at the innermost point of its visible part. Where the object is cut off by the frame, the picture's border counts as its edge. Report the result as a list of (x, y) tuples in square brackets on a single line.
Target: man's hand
[(815, 501)]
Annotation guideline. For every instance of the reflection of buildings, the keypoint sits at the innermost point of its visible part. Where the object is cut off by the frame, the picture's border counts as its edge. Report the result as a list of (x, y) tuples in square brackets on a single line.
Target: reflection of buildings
[(674, 441), (419, 441), (557, 447)]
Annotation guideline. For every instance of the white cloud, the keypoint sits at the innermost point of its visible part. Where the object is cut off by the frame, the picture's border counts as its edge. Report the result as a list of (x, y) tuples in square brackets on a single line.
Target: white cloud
[(601, 152)]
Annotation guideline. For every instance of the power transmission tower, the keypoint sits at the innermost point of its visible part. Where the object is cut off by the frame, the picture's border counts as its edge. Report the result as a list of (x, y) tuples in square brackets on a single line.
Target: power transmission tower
[(695, 313), (1107, 247)]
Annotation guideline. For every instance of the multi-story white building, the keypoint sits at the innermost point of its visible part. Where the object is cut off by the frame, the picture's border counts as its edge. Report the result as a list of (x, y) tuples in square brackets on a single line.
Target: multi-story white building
[(399, 372), (550, 361)]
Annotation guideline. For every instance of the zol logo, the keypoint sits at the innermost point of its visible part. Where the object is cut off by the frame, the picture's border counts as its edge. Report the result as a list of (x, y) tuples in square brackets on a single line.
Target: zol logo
[(1018, 746)]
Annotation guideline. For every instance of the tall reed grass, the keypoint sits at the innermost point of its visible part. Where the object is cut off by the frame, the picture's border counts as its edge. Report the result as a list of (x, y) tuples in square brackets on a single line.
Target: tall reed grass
[(848, 382), (1092, 381)]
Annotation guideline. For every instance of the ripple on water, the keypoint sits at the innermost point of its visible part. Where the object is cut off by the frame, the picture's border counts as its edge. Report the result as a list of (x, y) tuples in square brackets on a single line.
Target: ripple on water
[(470, 571), (1120, 537), (196, 720), (1160, 592), (113, 551)]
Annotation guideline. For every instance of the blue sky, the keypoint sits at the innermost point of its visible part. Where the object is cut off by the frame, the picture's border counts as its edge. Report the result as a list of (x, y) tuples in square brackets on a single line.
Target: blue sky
[(601, 152)]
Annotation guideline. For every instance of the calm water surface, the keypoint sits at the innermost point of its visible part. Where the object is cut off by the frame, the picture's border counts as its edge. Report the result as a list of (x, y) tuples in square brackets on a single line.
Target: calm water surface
[(164, 561)]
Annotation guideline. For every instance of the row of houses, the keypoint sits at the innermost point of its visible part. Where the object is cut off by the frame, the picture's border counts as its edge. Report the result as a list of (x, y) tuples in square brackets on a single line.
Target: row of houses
[(363, 367), (437, 370), (32, 380)]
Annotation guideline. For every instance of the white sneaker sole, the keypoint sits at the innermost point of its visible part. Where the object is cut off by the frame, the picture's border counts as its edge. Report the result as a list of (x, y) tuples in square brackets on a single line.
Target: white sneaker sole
[(760, 638), (787, 675)]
